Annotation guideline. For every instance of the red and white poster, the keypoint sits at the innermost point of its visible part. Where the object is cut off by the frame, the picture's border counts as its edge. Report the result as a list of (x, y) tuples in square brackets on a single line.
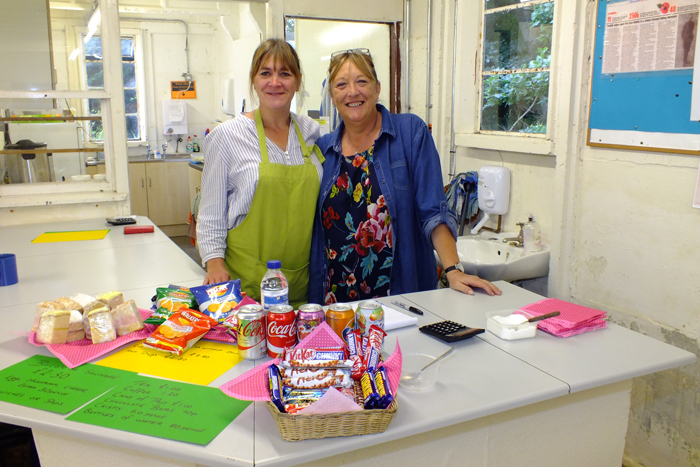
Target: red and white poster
[(650, 35)]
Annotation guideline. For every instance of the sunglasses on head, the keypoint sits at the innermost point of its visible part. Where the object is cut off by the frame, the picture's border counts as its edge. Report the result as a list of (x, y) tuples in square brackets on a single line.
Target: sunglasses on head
[(360, 51)]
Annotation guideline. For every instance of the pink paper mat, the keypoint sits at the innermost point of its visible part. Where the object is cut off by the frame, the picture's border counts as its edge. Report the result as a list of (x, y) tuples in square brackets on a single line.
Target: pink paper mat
[(574, 319), (254, 385), (76, 353)]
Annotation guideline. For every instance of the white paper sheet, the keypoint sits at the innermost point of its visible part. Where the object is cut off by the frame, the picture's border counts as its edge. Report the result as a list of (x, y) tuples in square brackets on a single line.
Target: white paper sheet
[(393, 318)]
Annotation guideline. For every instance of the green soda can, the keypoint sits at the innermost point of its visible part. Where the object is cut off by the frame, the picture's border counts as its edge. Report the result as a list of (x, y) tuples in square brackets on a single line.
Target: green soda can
[(369, 312)]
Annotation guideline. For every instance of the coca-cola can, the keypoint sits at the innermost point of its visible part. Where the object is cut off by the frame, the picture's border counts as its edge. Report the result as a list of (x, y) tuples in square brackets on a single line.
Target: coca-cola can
[(281, 329), (252, 342), (308, 317), (341, 318)]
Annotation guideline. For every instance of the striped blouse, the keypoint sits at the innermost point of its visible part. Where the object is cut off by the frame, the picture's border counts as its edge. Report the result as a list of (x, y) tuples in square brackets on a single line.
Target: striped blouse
[(230, 176)]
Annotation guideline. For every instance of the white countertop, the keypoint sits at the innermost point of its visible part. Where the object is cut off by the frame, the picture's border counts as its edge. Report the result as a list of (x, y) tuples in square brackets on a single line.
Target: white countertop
[(484, 376)]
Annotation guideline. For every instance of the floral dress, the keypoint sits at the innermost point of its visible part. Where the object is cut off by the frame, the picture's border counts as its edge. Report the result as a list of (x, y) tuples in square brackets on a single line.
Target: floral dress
[(357, 228)]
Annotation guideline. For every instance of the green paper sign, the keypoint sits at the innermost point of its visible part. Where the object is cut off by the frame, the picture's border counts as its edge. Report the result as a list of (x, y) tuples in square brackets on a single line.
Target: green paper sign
[(47, 384), (163, 408)]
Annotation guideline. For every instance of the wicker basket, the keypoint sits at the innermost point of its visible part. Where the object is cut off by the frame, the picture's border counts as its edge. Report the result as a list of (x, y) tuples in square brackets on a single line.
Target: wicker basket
[(297, 427)]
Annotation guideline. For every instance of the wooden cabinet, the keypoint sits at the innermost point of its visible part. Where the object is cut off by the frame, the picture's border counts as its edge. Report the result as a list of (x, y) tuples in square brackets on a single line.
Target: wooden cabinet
[(159, 190), (195, 176)]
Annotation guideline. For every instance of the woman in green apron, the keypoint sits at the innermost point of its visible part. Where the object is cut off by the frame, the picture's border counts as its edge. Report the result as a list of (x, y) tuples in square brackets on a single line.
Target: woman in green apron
[(261, 181)]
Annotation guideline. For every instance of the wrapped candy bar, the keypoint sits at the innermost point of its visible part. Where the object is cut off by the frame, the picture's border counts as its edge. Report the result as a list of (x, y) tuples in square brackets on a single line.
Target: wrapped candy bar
[(317, 364), (327, 353), (383, 388), (316, 378), (276, 387), (369, 393)]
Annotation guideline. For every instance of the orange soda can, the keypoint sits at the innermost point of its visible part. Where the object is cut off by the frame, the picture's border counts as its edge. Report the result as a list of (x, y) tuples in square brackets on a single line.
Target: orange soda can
[(341, 318)]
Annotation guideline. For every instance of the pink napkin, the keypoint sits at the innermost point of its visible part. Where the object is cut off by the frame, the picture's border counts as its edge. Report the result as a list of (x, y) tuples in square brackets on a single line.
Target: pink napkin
[(333, 401), (76, 353), (254, 385), (574, 319)]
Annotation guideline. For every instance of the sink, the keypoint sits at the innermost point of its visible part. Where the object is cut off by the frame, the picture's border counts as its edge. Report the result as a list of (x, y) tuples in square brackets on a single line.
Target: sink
[(486, 256)]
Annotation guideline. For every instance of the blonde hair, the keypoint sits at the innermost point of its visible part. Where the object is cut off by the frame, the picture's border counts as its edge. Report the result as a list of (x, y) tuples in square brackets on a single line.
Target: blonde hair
[(278, 50), (363, 62)]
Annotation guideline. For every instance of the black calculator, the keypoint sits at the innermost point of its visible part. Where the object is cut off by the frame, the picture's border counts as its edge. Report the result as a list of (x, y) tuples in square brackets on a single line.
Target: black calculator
[(449, 331), (121, 220)]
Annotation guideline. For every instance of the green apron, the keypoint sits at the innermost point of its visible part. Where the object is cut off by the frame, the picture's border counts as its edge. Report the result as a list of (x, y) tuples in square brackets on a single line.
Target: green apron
[(278, 224)]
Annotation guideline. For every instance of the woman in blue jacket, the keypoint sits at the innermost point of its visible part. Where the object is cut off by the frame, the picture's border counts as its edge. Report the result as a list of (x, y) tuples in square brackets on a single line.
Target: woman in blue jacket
[(382, 208)]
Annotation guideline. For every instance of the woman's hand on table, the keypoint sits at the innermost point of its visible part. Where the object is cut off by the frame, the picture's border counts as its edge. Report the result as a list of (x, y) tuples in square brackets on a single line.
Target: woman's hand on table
[(465, 283), (216, 271)]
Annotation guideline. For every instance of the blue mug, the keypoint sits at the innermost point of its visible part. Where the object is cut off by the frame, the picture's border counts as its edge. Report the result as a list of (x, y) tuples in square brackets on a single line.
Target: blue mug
[(8, 269)]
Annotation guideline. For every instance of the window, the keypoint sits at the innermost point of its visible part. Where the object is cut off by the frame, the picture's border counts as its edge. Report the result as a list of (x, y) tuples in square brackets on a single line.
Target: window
[(517, 50), (95, 81)]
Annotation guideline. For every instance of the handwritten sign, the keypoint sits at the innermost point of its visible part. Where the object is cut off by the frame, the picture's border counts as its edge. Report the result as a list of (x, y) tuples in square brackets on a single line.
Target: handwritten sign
[(201, 364), (166, 409), (47, 384)]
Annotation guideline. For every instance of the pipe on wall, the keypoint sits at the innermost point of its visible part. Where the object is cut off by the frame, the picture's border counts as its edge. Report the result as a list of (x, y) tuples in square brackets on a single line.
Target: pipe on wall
[(428, 104), (453, 147)]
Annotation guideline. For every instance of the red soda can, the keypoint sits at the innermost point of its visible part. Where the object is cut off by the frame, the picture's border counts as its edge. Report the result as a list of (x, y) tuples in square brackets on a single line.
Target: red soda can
[(281, 329), (252, 342), (308, 317), (341, 317)]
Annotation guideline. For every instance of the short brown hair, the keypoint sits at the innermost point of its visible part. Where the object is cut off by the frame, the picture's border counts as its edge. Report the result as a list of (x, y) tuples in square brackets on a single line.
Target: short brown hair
[(279, 50), (363, 61)]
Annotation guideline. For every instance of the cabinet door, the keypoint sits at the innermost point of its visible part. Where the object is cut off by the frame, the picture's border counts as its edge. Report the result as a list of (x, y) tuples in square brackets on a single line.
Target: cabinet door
[(195, 177), (168, 192), (138, 190)]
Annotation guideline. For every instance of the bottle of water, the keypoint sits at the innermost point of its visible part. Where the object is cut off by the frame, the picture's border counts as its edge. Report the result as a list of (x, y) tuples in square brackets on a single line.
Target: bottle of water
[(274, 289)]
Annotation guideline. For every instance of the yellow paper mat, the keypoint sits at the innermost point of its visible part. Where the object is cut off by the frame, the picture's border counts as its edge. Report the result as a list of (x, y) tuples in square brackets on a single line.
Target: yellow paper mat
[(73, 236), (201, 364)]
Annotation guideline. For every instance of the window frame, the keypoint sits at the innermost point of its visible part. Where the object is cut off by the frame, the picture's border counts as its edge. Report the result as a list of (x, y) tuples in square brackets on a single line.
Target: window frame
[(468, 133), (116, 160), (136, 36)]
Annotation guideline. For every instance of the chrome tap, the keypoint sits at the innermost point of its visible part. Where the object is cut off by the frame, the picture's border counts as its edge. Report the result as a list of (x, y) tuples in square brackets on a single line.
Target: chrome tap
[(516, 241), (148, 150), (165, 145)]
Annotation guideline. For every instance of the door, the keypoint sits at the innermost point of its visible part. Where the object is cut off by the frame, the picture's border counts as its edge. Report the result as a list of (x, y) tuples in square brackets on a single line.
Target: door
[(168, 192), (138, 190)]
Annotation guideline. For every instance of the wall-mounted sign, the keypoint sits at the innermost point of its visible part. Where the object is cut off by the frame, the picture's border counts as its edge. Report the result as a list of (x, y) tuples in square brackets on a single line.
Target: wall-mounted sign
[(183, 90)]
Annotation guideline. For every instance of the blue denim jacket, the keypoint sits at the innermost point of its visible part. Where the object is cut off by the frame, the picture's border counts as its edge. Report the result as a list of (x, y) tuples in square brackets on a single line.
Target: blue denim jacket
[(409, 173)]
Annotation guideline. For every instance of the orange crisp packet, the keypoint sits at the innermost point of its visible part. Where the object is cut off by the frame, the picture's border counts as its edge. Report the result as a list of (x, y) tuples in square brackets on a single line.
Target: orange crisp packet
[(180, 331)]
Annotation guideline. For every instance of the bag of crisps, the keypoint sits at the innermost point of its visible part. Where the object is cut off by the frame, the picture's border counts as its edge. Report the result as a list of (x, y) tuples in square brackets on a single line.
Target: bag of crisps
[(218, 300), (180, 331), (168, 301)]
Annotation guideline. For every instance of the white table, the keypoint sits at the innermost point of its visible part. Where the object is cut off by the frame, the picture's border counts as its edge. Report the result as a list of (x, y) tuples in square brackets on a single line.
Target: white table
[(494, 398)]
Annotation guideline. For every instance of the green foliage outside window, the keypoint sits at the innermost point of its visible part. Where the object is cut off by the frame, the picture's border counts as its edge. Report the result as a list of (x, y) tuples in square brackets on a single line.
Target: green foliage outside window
[(518, 39), (95, 80)]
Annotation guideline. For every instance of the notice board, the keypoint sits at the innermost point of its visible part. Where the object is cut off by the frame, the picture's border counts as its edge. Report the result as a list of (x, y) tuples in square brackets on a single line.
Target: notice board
[(641, 88)]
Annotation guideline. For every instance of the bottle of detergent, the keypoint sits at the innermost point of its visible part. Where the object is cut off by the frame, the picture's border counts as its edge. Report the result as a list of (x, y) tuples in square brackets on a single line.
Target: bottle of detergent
[(195, 144), (189, 146)]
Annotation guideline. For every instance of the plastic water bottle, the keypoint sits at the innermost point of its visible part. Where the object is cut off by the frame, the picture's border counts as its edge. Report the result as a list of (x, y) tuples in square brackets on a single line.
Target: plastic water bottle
[(274, 289), (189, 144)]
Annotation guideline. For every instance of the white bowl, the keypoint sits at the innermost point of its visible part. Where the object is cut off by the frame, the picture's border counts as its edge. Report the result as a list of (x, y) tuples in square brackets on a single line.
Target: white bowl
[(507, 331), (411, 376)]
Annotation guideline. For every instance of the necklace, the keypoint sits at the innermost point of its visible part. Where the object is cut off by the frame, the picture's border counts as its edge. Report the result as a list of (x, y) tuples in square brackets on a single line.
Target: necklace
[(355, 151)]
